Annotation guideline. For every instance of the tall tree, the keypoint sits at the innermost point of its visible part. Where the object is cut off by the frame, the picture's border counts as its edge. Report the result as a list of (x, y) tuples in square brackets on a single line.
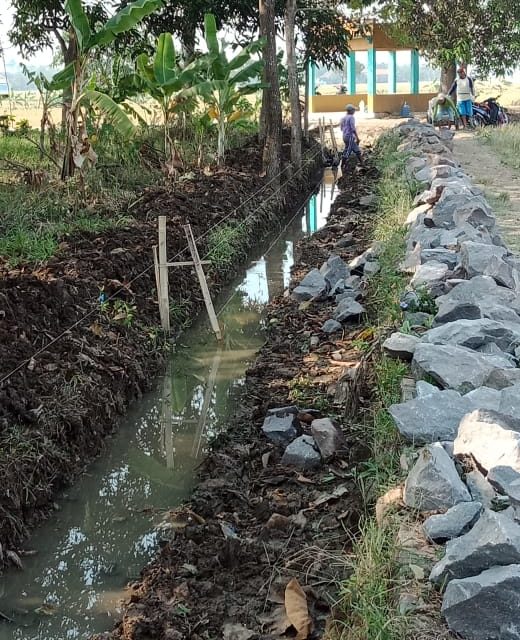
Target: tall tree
[(272, 103), (38, 24), (485, 34), (292, 80)]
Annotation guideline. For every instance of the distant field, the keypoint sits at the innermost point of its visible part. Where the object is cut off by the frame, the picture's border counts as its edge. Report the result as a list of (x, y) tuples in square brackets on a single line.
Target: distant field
[(509, 93), (26, 104)]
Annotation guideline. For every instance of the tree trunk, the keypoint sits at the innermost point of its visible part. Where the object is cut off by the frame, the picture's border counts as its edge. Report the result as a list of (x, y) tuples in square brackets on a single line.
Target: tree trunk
[(43, 122), (272, 155), (188, 40), (262, 124), (306, 106), (294, 90), (448, 74), (68, 167), (221, 142), (71, 129), (69, 52)]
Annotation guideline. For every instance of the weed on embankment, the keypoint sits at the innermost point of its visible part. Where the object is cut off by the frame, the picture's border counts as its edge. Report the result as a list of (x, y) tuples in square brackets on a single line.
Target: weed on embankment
[(367, 600), (37, 211)]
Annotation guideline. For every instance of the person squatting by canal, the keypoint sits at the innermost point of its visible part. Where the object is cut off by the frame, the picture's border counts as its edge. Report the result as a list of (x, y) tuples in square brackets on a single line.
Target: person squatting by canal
[(350, 137)]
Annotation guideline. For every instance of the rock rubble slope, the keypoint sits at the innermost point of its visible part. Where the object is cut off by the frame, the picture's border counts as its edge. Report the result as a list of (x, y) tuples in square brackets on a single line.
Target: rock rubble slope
[(468, 390)]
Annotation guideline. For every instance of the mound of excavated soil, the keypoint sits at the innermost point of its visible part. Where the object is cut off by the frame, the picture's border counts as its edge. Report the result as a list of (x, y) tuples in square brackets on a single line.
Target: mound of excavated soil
[(57, 407)]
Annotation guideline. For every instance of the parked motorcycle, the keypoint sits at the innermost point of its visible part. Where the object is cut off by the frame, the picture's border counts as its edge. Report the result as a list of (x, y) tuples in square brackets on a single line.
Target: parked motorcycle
[(489, 113)]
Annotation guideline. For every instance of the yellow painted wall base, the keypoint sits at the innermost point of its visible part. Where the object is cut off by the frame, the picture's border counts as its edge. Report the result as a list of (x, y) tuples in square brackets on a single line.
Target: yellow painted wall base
[(384, 103), (320, 104)]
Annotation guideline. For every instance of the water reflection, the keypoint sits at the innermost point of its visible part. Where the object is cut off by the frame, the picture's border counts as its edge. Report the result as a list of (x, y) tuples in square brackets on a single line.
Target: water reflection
[(104, 531), (318, 206)]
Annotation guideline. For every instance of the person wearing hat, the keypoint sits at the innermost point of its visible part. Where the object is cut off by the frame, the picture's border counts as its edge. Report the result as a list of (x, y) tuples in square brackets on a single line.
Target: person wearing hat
[(444, 111), (350, 136), (464, 90)]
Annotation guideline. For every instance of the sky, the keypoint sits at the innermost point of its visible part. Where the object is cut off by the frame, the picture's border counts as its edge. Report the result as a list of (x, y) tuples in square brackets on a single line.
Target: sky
[(44, 57), (12, 56)]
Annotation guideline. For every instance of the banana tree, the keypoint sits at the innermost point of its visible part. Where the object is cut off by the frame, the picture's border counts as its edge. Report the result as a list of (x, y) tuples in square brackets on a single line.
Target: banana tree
[(49, 100), (169, 84), (82, 88), (227, 80)]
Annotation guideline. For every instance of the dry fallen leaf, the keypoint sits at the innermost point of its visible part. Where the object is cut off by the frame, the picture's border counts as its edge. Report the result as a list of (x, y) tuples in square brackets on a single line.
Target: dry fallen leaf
[(338, 492), (393, 497), (96, 329), (297, 609), (265, 459)]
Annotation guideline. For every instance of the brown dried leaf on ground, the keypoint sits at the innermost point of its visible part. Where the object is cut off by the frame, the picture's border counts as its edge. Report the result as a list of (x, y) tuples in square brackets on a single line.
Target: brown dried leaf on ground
[(297, 609)]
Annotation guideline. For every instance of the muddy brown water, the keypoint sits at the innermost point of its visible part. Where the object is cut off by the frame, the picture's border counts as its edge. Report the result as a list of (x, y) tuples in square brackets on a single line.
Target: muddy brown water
[(107, 525)]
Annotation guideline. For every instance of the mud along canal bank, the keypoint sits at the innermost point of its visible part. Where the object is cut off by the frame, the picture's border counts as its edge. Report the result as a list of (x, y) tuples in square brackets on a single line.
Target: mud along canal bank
[(254, 521), (92, 310), (103, 532)]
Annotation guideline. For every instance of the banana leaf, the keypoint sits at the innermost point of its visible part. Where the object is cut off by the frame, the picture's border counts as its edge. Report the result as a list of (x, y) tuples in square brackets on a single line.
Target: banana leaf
[(210, 34), (248, 72), (63, 79), (124, 20), (79, 21), (165, 63), (112, 112)]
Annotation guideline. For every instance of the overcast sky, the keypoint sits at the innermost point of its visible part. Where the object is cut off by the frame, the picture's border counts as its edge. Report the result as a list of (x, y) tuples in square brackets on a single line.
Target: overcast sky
[(12, 56), (44, 58)]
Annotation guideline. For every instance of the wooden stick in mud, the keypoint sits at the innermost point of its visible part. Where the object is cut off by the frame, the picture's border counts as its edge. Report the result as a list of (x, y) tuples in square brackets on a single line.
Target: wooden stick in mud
[(202, 281), (164, 302)]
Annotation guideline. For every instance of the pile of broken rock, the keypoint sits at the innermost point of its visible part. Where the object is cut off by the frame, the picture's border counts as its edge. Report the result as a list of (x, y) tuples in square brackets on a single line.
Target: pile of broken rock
[(341, 282), (308, 440), (467, 406)]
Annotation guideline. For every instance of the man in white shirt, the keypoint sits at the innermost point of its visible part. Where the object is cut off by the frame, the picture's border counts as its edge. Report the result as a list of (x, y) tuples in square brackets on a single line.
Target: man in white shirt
[(464, 90)]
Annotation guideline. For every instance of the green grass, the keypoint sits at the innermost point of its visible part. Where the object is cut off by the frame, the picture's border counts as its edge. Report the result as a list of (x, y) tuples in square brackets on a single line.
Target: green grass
[(368, 597), (505, 141), (226, 245), (367, 594), (35, 218)]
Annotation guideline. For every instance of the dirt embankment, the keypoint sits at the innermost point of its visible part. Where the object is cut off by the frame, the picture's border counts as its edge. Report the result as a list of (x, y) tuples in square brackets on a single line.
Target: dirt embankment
[(57, 407), (252, 524)]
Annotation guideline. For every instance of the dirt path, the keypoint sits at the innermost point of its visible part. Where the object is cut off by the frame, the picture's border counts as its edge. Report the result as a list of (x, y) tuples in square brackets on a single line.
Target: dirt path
[(500, 183)]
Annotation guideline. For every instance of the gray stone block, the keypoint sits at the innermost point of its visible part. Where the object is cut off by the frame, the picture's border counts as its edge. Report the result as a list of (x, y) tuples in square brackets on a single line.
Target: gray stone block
[(428, 274), (313, 285), (281, 429), (328, 437), (501, 477), (475, 334), (455, 522), (348, 309), (493, 541), (334, 269), (433, 483), (476, 256), (430, 418), (331, 326), (493, 439), (302, 453), (486, 605), (454, 367), (401, 345)]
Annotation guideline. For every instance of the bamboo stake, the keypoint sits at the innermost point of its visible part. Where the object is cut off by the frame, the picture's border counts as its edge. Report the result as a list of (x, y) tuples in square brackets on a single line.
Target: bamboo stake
[(164, 302), (202, 281)]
